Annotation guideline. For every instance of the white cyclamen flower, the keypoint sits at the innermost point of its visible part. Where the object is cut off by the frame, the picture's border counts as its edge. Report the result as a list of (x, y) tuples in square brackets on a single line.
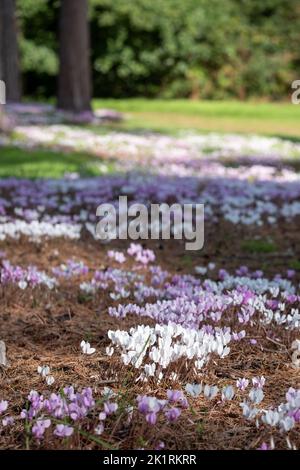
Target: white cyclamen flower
[(43, 370), (193, 389), (227, 393), (86, 348), (50, 380)]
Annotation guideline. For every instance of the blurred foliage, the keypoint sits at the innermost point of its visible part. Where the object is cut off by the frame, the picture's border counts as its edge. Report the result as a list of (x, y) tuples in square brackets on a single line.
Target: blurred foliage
[(38, 20), (172, 48)]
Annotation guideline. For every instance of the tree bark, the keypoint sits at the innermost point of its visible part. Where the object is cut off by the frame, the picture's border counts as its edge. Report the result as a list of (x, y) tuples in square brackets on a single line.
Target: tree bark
[(74, 81), (9, 53)]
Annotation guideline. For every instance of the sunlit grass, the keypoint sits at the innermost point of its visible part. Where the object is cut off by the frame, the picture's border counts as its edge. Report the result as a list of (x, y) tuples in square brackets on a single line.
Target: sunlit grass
[(282, 119)]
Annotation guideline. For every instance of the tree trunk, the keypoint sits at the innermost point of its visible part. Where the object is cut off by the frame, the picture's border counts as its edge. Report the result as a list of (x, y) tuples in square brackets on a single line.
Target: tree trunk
[(74, 81), (9, 53)]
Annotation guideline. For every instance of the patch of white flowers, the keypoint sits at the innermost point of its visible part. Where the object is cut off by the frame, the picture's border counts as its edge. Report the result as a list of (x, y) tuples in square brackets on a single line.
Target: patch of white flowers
[(284, 417), (35, 230), (259, 286), (153, 349), (289, 321)]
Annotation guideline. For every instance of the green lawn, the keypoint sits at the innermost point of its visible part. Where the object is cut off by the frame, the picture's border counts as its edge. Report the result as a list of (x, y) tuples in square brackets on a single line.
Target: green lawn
[(47, 164), (281, 119), (157, 115)]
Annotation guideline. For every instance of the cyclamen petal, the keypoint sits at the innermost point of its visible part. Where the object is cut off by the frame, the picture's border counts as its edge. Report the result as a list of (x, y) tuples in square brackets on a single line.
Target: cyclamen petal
[(62, 430), (256, 395), (228, 393), (3, 406), (99, 429), (173, 414), (287, 423), (40, 427), (193, 389), (86, 348), (242, 384), (8, 421)]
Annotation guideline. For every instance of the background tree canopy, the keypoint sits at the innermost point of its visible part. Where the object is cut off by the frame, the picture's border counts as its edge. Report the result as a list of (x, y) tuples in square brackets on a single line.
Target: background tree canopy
[(172, 48)]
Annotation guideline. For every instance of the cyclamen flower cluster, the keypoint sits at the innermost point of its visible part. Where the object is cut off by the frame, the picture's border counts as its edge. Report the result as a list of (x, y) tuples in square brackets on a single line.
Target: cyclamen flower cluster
[(70, 269), (228, 392), (256, 195), (24, 277), (284, 417), (141, 255), (116, 280), (151, 407), (182, 299), (146, 148), (38, 229), (62, 413), (44, 371), (117, 256), (165, 344), (287, 414), (74, 406), (191, 302)]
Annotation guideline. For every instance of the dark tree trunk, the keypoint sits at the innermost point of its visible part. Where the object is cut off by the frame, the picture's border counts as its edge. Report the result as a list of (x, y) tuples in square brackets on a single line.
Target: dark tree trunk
[(9, 53), (74, 81)]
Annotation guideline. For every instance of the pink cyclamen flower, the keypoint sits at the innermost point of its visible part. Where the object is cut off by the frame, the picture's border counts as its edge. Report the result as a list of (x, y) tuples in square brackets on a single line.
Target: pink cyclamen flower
[(257, 274), (238, 336), (140, 254), (296, 415), (110, 408), (173, 414), (160, 445), (291, 394), (264, 446), (242, 271), (290, 273), (151, 418), (70, 393), (8, 421), (40, 427), (242, 384), (148, 404), (117, 256), (258, 382), (176, 396), (134, 249), (62, 430), (222, 274)]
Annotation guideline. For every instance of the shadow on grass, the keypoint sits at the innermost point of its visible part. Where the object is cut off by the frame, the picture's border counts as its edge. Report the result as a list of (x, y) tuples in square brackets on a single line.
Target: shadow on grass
[(292, 138), (43, 163)]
